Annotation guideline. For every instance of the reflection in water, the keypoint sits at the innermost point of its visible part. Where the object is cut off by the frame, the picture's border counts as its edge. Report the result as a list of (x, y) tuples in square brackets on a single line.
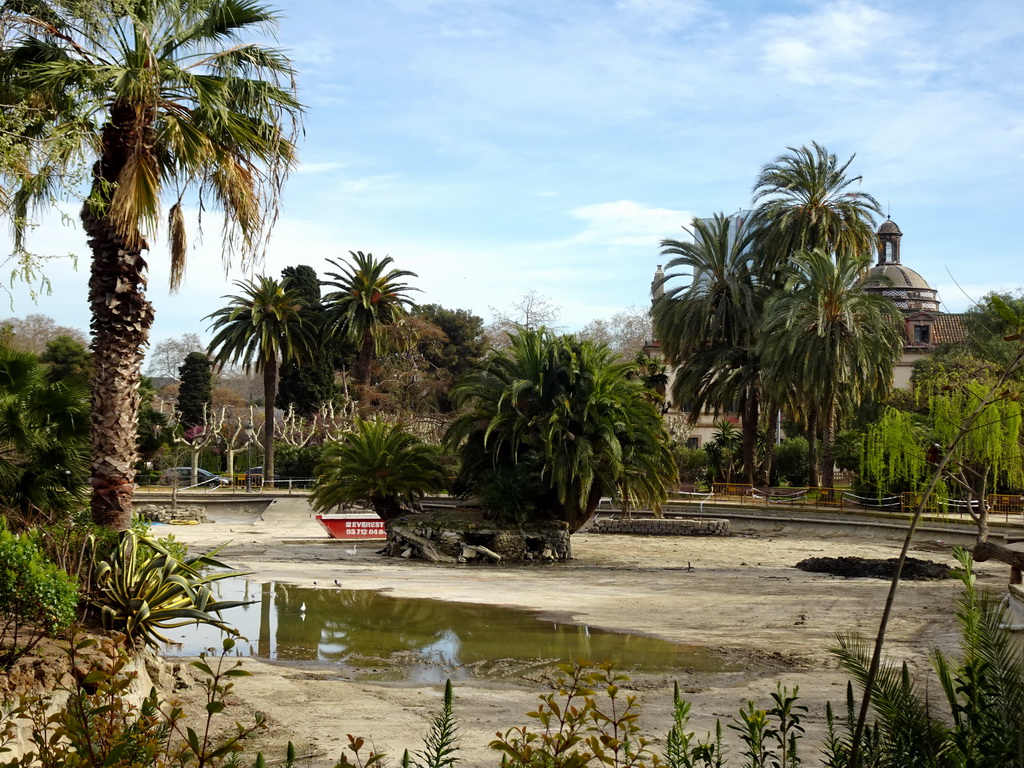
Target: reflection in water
[(427, 640)]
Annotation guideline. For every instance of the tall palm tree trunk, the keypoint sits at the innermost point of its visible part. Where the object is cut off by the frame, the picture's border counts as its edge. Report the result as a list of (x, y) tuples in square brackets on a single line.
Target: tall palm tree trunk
[(751, 414), (813, 460), (269, 398), (771, 435), (828, 439), (121, 320), (365, 359)]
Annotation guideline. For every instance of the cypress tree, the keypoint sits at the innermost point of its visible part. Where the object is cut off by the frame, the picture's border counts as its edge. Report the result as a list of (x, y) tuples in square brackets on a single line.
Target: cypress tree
[(196, 390), (308, 387)]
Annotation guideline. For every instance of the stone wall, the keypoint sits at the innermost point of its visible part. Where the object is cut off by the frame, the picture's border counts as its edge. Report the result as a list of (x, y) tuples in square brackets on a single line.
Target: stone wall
[(466, 538), (165, 513), (662, 527)]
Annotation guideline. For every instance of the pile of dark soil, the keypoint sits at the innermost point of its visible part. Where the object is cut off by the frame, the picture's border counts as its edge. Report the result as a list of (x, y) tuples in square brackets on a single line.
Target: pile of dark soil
[(913, 569)]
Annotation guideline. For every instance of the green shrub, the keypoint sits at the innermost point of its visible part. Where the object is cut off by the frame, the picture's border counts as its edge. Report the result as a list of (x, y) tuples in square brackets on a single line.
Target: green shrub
[(693, 464), (790, 462), (37, 599), (381, 464), (508, 494), (73, 544), (299, 462)]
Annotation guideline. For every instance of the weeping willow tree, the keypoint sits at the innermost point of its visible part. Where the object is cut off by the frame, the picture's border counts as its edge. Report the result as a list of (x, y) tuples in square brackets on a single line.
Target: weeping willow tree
[(902, 447)]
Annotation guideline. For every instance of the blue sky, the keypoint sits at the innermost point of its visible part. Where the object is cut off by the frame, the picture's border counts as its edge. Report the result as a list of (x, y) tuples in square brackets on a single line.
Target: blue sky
[(500, 146)]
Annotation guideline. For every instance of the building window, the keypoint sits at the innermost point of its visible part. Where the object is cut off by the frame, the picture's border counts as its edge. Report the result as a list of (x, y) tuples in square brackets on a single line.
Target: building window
[(922, 334), (888, 251), (693, 443)]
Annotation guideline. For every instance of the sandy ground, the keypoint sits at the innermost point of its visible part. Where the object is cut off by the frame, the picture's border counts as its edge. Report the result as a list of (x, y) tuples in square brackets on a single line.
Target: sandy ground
[(739, 595)]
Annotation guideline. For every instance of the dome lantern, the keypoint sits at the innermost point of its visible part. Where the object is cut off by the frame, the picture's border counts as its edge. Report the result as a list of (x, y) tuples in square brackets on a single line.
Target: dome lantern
[(889, 278), (888, 242)]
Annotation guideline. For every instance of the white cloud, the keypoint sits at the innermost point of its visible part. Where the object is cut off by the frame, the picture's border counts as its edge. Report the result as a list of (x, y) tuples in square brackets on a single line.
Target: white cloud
[(320, 167), (458, 135), (835, 43), (665, 15), (626, 222)]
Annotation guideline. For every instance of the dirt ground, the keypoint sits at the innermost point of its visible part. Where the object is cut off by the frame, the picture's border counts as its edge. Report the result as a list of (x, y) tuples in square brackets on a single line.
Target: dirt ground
[(739, 595)]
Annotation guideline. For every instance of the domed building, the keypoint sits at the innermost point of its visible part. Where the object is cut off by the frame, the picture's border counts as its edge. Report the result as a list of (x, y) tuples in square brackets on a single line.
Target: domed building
[(926, 326), (896, 282)]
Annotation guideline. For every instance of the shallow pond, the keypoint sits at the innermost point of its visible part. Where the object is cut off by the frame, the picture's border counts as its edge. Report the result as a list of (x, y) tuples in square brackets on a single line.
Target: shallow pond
[(376, 636)]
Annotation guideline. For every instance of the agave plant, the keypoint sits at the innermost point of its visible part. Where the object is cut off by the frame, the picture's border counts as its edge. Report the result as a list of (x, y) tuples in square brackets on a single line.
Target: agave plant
[(143, 588)]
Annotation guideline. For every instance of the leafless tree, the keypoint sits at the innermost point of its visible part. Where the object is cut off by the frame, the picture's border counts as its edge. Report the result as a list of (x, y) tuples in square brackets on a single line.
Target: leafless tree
[(32, 332), (530, 311), (626, 332), (167, 356)]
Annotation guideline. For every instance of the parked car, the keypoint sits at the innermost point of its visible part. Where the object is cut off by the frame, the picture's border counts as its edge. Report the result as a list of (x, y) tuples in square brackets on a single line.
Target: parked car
[(182, 477)]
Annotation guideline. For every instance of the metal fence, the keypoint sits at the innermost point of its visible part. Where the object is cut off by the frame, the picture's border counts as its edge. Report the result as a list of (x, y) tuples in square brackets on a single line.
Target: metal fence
[(997, 504)]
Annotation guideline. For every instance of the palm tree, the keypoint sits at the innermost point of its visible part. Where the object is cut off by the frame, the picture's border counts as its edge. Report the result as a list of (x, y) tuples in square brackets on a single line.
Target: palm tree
[(805, 202), (368, 296), (709, 328), (380, 463), (834, 343), (565, 422), (145, 98), (722, 449), (263, 327), (44, 430)]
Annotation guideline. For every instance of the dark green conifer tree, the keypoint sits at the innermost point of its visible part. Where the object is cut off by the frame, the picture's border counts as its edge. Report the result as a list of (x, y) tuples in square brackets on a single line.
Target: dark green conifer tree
[(310, 385), (465, 347), (66, 356), (196, 390), (461, 352)]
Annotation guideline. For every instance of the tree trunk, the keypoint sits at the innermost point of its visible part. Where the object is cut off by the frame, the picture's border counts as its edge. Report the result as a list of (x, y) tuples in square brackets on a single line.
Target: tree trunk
[(981, 517), (269, 397), (388, 508), (771, 435), (751, 416), (828, 439), (986, 550), (365, 359), (813, 479), (121, 319)]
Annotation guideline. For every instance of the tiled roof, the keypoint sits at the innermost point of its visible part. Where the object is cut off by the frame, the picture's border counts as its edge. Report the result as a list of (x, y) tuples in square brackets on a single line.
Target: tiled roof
[(948, 329)]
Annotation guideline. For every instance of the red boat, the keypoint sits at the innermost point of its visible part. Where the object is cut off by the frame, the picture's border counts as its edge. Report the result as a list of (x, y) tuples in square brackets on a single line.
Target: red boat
[(353, 527)]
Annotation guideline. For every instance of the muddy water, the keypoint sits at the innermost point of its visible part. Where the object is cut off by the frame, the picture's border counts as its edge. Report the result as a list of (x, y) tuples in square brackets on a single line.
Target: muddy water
[(370, 635)]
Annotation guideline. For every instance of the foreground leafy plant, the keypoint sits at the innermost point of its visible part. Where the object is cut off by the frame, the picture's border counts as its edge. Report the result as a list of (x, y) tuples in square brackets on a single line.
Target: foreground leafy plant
[(441, 744), (984, 691), (97, 726), (176, 549), (142, 588), (575, 727)]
